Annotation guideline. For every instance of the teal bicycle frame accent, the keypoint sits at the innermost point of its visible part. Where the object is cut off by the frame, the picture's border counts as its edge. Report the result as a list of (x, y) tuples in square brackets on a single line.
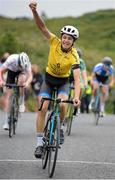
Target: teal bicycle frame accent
[(52, 135)]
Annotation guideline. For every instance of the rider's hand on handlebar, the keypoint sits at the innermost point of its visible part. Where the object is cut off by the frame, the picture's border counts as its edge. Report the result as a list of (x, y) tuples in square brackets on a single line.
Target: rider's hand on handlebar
[(2, 83), (76, 102), (25, 84)]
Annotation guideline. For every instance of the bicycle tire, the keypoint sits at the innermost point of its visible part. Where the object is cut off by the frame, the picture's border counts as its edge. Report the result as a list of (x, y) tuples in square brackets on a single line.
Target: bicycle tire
[(46, 142), (16, 113), (10, 128), (69, 120), (97, 110), (11, 117), (54, 146)]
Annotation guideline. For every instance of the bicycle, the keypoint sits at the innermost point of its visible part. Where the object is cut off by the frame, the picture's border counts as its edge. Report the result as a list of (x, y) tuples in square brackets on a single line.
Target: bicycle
[(52, 135), (96, 105), (71, 111), (13, 113)]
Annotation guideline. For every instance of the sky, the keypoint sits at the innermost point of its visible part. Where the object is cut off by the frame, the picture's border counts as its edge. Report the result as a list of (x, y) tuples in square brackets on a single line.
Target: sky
[(54, 8)]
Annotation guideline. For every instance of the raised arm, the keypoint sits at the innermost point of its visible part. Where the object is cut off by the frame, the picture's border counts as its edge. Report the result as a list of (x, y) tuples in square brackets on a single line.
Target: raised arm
[(41, 25)]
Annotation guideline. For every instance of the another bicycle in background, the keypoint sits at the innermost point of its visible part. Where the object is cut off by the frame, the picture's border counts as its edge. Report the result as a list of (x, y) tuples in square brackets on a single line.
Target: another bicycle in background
[(13, 113), (71, 111), (97, 104), (52, 135)]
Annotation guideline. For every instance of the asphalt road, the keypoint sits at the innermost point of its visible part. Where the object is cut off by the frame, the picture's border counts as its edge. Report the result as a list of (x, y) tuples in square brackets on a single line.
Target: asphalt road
[(89, 153)]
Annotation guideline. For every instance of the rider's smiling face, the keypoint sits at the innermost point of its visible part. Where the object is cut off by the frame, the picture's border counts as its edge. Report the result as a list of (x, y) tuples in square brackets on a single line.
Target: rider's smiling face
[(67, 41)]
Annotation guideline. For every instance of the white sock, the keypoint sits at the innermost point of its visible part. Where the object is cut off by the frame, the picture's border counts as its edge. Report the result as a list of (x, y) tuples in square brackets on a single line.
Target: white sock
[(102, 107), (62, 126), (21, 99), (6, 117), (40, 139)]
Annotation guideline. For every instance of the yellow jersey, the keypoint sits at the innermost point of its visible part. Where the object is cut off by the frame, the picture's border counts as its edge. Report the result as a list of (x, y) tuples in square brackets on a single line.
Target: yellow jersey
[(59, 62)]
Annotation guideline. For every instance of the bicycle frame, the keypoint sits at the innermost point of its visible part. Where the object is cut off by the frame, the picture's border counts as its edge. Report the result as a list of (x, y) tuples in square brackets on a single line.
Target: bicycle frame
[(13, 111), (52, 133)]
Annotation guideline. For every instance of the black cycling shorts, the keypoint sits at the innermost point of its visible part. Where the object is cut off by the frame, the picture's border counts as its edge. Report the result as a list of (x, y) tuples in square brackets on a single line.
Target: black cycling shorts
[(11, 76), (51, 82)]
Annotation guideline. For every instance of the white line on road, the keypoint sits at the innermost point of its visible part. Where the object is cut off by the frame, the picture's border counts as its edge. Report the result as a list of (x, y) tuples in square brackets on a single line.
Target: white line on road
[(59, 161)]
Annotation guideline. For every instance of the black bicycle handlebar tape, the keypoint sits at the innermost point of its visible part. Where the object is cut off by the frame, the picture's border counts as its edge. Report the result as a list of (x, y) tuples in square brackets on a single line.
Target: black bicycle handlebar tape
[(12, 85), (50, 99), (67, 101)]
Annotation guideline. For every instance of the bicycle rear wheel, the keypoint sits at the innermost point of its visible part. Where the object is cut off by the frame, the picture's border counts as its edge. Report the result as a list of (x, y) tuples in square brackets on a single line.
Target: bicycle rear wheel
[(53, 147)]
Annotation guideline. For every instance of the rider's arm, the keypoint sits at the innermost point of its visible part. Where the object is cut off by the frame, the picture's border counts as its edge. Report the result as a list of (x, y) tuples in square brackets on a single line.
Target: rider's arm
[(29, 78), (2, 71), (83, 72), (41, 25), (76, 73), (92, 78), (84, 76), (111, 83)]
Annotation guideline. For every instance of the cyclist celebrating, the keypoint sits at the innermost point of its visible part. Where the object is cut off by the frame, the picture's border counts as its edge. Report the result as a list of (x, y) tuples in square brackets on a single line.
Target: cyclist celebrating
[(62, 57), (103, 74), (16, 65)]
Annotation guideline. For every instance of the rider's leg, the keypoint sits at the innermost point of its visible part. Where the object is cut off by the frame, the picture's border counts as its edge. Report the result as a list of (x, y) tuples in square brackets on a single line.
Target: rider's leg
[(63, 107), (63, 93), (94, 92), (21, 79), (40, 121), (104, 97), (9, 80), (7, 96)]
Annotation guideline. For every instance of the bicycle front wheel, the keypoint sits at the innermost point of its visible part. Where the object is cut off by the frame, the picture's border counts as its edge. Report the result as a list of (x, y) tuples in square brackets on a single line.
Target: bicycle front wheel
[(11, 117), (97, 110), (46, 142), (53, 147)]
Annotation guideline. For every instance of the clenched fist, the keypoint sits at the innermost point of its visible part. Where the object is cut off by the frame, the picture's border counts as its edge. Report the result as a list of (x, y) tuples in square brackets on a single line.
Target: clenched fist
[(33, 6)]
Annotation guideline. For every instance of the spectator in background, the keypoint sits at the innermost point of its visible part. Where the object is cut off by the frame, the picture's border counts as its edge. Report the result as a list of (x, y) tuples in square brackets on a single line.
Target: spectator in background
[(37, 79), (36, 83), (4, 57), (88, 95)]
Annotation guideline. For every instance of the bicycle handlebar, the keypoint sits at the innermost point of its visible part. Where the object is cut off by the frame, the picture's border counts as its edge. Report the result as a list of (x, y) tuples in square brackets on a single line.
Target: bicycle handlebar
[(51, 99), (13, 85)]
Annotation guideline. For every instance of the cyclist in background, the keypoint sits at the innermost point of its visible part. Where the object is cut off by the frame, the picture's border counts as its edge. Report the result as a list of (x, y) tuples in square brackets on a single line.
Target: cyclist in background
[(103, 74), (62, 57), (16, 65), (83, 76)]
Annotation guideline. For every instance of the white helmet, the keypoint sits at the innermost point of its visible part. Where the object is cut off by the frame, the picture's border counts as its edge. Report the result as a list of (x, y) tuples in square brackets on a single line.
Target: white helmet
[(70, 30), (24, 60)]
